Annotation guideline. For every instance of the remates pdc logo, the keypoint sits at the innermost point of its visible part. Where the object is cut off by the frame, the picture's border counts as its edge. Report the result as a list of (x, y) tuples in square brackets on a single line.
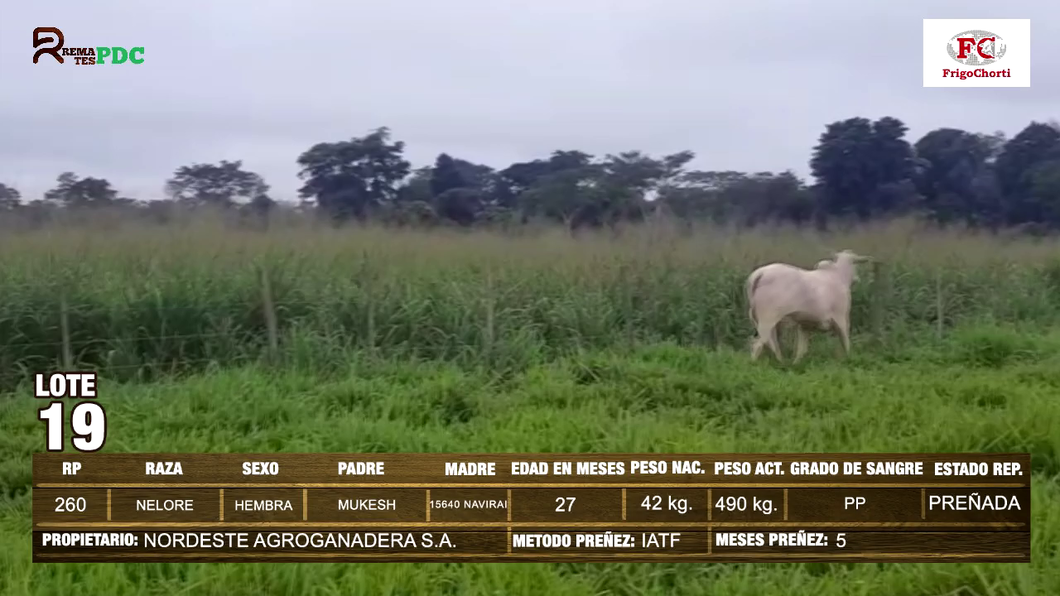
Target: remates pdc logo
[(54, 45), (976, 47)]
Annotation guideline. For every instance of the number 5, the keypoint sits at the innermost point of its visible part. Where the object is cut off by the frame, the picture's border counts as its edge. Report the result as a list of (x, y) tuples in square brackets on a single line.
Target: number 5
[(840, 540)]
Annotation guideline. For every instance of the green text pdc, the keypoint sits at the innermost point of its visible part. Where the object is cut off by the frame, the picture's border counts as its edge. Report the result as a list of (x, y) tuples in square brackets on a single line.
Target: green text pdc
[(105, 55)]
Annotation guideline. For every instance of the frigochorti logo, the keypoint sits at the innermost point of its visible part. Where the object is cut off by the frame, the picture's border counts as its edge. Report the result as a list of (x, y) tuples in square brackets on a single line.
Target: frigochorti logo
[(970, 53), (976, 48), (54, 44)]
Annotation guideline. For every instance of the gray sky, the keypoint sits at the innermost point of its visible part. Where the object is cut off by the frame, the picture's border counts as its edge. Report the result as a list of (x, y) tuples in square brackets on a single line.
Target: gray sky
[(746, 85)]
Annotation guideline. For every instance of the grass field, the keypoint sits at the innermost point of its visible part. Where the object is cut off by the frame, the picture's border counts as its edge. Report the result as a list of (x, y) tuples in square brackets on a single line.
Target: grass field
[(141, 302), (403, 342)]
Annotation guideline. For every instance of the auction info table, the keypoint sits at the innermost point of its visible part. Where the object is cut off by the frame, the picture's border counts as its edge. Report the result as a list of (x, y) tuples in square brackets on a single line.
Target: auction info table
[(531, 507)]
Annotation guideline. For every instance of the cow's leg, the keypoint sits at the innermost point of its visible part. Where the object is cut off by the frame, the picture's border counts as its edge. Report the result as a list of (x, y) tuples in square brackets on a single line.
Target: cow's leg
[(842, 326), (774, 344), (766, 337), (802, 343), (756, 347)]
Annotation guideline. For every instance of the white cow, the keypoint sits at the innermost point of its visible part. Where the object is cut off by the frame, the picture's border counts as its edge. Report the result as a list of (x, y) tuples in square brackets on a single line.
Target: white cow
[(784, 294)]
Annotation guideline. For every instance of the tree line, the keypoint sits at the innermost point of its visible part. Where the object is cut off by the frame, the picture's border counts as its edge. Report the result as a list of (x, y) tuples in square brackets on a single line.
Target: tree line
[(861, 170)]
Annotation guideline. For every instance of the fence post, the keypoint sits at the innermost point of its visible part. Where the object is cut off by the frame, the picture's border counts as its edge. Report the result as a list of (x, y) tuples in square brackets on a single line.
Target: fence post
[(488, 331), (367, 277), (880, 296), (370, 296), (64, 330), (629, 276), (269, 308), (938, 303)]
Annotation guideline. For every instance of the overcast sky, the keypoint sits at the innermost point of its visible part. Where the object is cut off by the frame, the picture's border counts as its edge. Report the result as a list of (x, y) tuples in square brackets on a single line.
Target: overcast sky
[(746, 85)]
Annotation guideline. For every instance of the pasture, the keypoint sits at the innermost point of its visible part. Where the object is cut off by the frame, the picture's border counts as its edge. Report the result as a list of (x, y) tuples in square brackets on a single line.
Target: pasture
[(369, 340)]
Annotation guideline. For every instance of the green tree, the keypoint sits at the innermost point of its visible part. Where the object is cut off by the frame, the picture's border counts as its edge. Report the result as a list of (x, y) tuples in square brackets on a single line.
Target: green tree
[(553, 188), (622, 186), (520, 177), (72, 191), (863, 169), (219, 185), (417, 186), (463, 191), (350, 178), (462, 205), (9, 198), (1044, 190), (955, 178), (446, 176), (697, 195), (1024, 174), (767, 197), (739, 198)]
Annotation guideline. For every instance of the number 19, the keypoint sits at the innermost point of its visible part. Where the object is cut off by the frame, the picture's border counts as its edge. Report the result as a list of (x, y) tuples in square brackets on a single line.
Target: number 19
[(87, 420)]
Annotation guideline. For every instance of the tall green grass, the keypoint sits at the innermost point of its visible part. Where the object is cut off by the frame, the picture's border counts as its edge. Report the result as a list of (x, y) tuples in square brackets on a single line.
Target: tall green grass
[(141, 301)]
